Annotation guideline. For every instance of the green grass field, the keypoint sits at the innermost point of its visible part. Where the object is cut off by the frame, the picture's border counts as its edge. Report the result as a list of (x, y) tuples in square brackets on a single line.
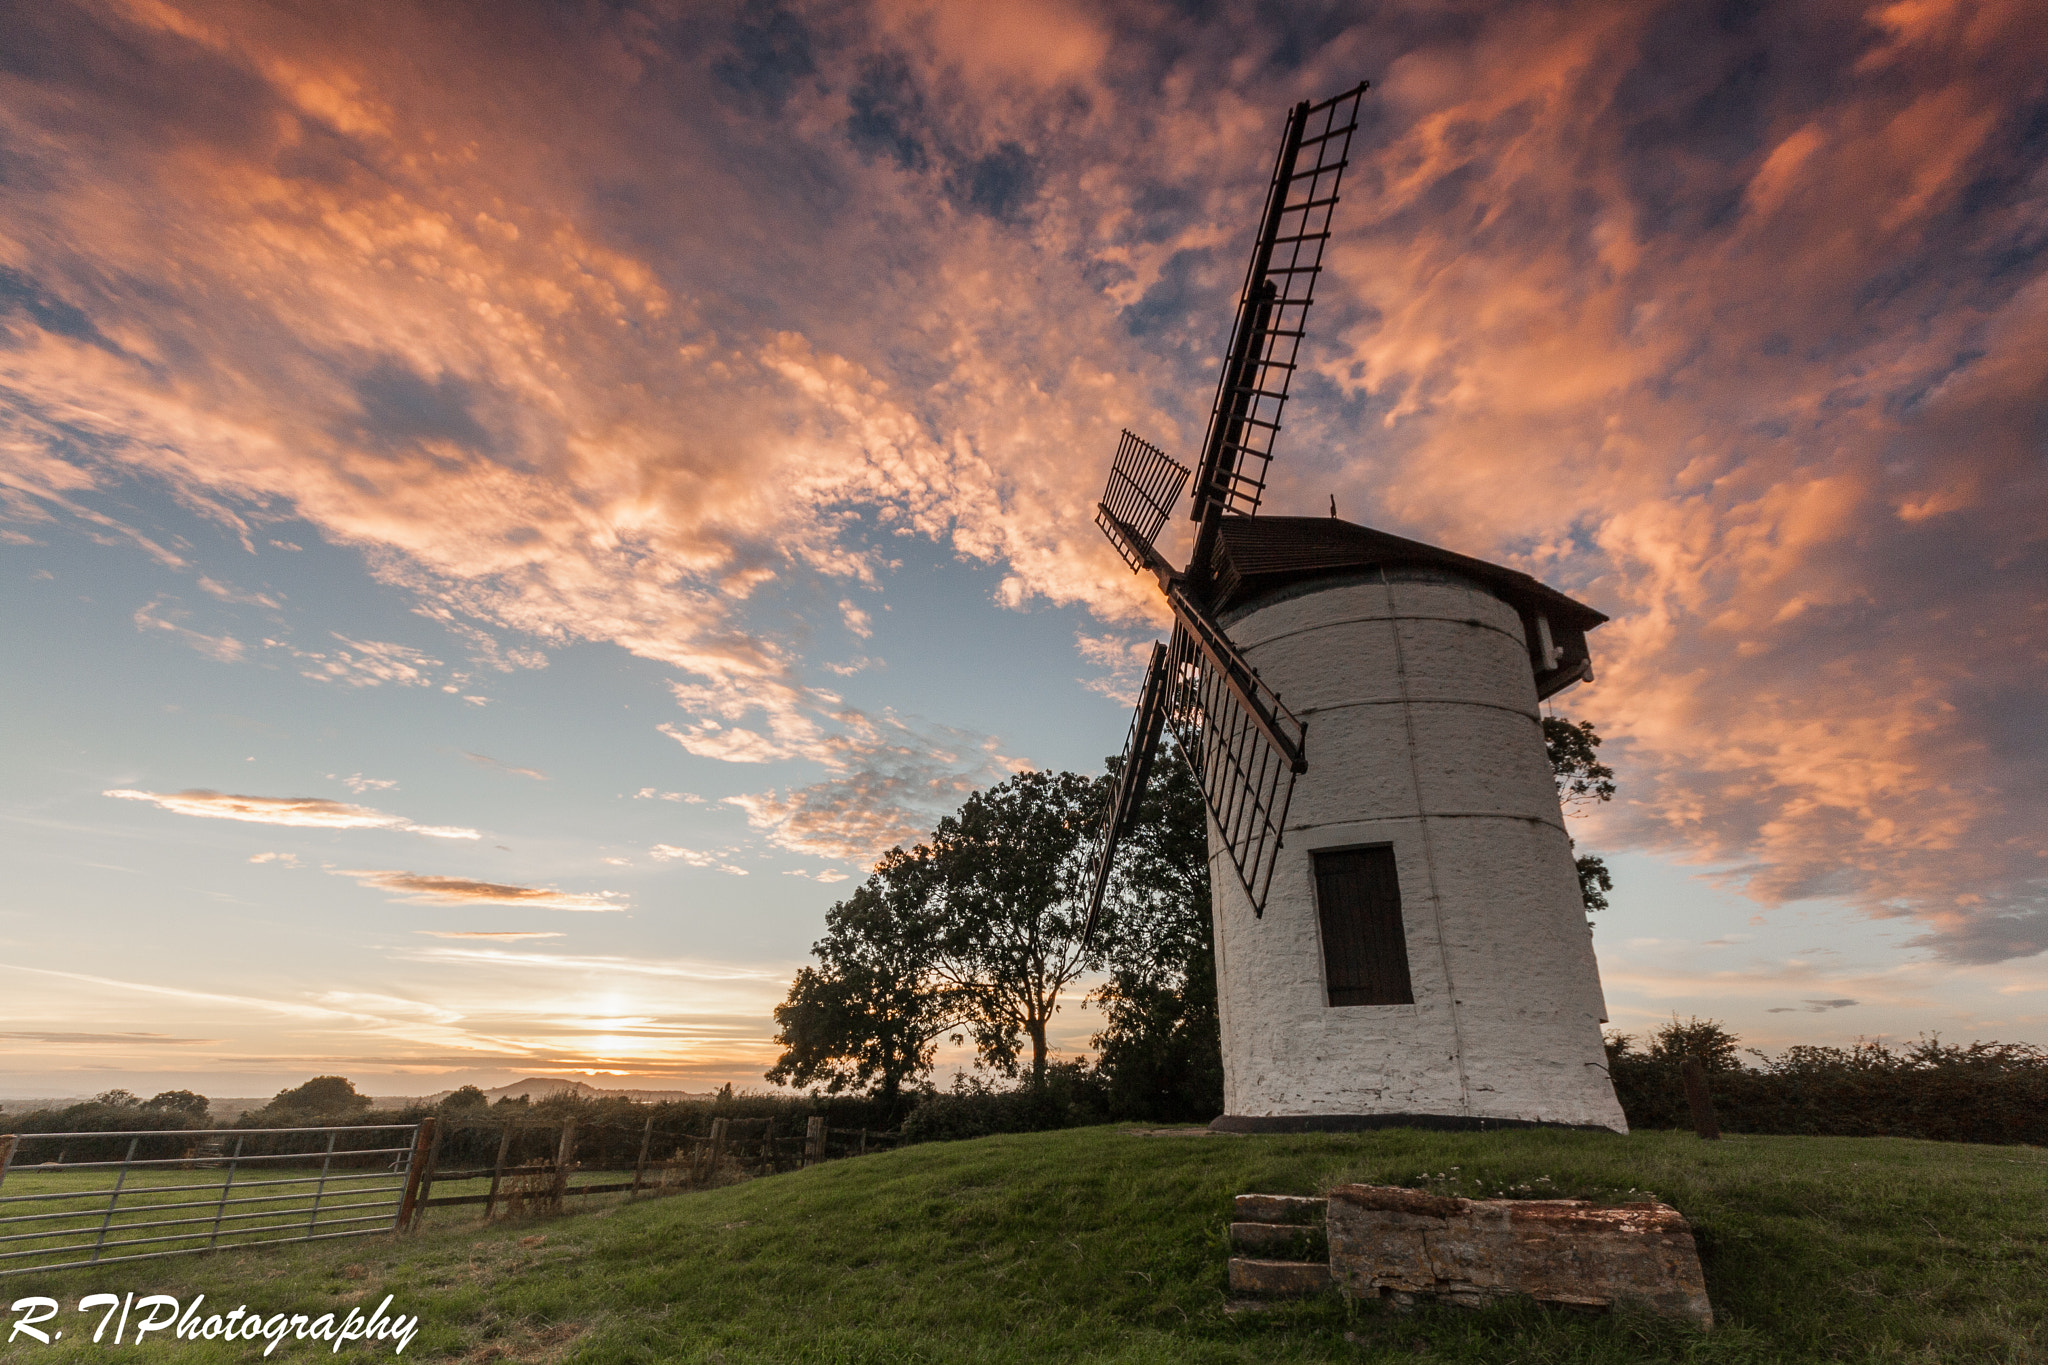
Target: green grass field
[(59, 1215), (1105, 1244)]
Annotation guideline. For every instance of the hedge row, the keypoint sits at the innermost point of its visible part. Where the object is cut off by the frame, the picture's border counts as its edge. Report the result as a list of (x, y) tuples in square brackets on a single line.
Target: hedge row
[(1985, 1092)]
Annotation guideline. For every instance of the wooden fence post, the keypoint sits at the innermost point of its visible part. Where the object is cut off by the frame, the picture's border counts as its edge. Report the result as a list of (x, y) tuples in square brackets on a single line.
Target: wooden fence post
[(497, 1172), (419, 1212), (863, 1143), (719, 1128), (1699, 1100), (768, 1148), (563, 1155), (415, 1169), (814, 1140), (646, 1136), (7, 1142)]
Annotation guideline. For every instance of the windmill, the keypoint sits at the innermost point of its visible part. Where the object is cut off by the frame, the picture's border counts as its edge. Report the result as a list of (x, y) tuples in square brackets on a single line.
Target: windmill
[(1422, 671)]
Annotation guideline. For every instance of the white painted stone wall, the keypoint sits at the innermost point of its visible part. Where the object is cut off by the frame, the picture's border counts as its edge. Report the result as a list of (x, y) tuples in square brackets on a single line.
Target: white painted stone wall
[(1424, 733)]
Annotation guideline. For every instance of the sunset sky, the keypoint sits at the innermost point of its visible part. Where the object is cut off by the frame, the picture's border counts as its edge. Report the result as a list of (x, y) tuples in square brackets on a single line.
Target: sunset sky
[(505, 509)]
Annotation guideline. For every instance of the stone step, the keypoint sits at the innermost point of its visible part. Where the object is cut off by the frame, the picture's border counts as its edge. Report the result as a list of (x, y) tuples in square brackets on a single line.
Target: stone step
[(1278, 1279), (1279, 1208), (1292, 1241)]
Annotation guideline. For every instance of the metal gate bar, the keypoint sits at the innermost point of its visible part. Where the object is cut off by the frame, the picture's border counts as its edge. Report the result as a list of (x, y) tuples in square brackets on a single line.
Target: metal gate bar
[(364, 1203)]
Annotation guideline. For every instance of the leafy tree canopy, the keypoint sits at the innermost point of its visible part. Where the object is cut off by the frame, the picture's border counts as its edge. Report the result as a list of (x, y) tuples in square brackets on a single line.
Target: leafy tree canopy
[(1012, 867), (1160, 1051), (1582, 780), (1573, 747), (872, 1010), (321, 1095)]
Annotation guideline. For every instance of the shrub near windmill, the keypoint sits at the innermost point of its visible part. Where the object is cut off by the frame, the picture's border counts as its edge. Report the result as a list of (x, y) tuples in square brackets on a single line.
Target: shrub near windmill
[(1400, 934)]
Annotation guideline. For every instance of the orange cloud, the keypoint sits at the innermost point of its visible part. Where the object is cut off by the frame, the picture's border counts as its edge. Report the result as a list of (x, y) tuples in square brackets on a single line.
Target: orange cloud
[(1738, 329), (304, 812), (424, 889)]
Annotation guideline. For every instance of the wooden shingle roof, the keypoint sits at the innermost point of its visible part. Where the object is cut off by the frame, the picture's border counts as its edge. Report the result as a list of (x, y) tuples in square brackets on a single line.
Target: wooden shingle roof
[(1256, 556)]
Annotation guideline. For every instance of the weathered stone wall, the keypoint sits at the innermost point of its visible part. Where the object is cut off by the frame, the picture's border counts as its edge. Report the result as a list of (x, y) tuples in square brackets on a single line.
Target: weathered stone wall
[(1423, 733), (1387, 1242)]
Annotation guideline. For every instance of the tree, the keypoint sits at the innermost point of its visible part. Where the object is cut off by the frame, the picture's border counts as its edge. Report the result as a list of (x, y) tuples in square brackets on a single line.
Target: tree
[(873, 1009), (321, 1095), (463, 1097), (1595, 881), (178, 1102), (1704, 1040), (1161, 1051), (1573, 747), (979, 930), (1011, 866), (1582, 780)]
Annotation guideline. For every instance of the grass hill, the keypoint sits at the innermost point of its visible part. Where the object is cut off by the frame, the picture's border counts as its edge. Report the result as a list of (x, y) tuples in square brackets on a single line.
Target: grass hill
[(1107, 1244)]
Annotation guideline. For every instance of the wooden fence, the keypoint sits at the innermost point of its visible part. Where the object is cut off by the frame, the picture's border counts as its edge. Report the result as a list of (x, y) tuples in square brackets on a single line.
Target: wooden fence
[(733, 1150)]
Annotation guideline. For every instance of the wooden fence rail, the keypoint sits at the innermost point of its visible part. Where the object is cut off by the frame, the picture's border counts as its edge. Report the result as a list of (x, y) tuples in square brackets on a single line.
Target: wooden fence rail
[(729, 1151)]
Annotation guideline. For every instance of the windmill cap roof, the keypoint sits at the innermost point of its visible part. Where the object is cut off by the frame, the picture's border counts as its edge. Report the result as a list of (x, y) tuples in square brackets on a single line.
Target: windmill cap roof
[(1259, 555)]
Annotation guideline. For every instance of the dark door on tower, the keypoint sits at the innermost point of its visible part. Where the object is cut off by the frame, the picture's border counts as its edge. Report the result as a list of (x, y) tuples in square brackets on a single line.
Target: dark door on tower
[(1365, 952)]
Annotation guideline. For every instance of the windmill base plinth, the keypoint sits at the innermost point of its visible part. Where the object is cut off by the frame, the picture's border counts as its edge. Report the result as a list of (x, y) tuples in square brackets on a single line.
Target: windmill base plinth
[(1359, 1123)]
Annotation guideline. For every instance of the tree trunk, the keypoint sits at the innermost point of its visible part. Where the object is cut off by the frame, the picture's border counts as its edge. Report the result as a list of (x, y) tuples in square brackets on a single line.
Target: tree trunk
[(1036, 1027)]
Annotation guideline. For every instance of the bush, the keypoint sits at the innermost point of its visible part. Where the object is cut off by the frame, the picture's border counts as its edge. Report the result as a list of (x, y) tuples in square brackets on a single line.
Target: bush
[(1072, 1095), (115, 1111), (1985, 1092)]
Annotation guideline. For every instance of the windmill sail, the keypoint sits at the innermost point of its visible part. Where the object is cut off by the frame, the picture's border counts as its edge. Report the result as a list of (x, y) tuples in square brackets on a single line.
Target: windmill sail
[(1245, 747), (1120, 812), (1144, 484), (1279, 285)]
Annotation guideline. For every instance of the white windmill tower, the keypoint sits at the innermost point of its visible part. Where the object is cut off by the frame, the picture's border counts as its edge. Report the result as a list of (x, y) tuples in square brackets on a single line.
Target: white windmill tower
[(1400, 937)]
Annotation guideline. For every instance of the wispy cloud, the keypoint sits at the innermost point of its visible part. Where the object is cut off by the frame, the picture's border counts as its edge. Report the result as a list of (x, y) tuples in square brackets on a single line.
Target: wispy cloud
[(635, 966), (227, 592), (305, 812), (694, 858), (359, 784), (364, 663), (507, 936), (289, 1008), (107, 1039), (1123, 659), (158, 616), (486, 761), (418, 888), (891, 785), (485, 649), (857, 622), (1813, 1007)]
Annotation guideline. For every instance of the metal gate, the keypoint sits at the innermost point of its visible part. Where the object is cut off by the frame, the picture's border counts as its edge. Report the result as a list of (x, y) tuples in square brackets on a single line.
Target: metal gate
[(181, 1191)]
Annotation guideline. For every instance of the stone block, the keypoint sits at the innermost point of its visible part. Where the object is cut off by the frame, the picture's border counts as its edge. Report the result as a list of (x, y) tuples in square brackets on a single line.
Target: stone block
[(1388, 1242), (1281, 1241), (1278, 1208), (1278, 1279)]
